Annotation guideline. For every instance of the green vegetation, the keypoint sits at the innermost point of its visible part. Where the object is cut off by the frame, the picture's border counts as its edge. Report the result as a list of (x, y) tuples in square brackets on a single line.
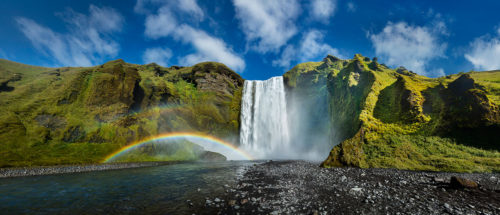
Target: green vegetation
[(67, 115), (377, 116), (393, 118)]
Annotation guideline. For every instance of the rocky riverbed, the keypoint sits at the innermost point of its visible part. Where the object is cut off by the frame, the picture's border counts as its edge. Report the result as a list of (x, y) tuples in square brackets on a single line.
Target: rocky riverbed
[(298, 187), (50, 170)]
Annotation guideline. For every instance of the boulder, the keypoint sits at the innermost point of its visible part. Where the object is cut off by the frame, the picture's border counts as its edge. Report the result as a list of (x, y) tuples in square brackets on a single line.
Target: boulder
[(460, 183)]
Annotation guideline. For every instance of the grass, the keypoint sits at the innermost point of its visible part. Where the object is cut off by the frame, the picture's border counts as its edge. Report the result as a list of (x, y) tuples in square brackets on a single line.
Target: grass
[(81, 115), (403, 120)]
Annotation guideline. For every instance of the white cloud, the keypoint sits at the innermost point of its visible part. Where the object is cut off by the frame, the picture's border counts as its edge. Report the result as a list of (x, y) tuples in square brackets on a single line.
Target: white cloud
[(157, 55), (164, 23), (311, 48), (410, 46), (161, 24), (191, 7), (208, 48), (484, 52), (438, 72), (351, 7), (86, 43), (322, 10), (287, 56), (267, 25)]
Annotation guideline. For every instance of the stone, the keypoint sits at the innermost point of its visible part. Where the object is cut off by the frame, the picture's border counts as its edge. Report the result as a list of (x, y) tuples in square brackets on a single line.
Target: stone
[(355, 190), (439, 180), (460, 183), (244, 201)]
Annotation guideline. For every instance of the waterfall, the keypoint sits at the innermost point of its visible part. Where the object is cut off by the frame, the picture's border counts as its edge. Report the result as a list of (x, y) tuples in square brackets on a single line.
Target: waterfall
[(264, 124)]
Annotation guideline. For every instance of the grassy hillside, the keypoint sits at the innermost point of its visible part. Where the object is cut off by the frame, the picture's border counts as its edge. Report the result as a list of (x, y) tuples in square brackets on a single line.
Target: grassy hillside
[(394, 118), (80, 115)]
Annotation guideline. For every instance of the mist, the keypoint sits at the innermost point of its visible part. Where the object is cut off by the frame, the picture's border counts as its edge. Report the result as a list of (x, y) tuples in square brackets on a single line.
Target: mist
[(309, 122), (285, 123)]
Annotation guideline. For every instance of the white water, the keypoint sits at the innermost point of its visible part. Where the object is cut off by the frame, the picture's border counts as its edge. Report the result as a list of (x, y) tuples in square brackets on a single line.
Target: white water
[(264, 124)]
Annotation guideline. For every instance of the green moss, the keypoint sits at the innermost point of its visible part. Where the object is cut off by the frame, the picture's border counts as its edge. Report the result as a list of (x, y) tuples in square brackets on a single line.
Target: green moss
[(81, 115), (395, 119)]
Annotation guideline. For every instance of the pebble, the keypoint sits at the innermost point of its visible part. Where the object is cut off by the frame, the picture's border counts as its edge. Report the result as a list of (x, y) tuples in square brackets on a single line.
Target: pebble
[(299, 187)]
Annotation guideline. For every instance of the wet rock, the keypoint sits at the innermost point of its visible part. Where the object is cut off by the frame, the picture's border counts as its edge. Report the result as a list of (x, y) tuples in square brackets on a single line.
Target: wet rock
[(458, 183), (439, 180), (244, 201), (298, 187)]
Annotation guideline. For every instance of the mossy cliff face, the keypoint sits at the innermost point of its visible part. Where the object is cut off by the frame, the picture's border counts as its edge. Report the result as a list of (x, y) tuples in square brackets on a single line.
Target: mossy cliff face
[(80, 115), (397, 119), (394, 118)]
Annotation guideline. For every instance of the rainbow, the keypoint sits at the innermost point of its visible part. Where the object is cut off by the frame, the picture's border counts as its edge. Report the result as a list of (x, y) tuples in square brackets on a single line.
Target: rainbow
[(173, 136)]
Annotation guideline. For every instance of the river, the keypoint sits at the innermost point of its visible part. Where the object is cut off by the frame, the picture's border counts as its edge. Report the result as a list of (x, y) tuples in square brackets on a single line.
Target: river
[(148, 190)]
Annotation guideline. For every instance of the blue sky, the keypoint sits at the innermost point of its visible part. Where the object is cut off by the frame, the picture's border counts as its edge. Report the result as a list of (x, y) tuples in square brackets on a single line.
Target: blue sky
[(257, 38)]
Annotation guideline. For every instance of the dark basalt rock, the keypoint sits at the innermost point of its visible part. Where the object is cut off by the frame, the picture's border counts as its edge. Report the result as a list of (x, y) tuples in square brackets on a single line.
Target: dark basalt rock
[(211, 156), (74, 134), (468, 105), (51, 121), (3, 85), (330, 58), (458, 183)]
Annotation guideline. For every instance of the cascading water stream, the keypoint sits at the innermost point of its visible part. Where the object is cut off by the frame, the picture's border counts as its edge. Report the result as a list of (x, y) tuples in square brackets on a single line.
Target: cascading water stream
[(264, 123)]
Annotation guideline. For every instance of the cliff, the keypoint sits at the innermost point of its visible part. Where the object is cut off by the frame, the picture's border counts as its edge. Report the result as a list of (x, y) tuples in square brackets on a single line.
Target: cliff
[(79, 115), (372, 115), (394, 118)]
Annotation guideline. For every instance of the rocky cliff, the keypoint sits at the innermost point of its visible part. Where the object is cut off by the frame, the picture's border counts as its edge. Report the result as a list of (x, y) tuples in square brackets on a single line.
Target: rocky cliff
[(372, 115), (80, 115), (394, 118)]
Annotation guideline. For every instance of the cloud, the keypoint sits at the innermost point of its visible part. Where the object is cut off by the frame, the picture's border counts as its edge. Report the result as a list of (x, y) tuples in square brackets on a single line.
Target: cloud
[(157, 55), (287, 56), (87, 41), (189, 7), (322, 10), (311, 48), (410, 46), (161, 24), (484, 52), (438, 72), (208, 48), (267, 25), (164, 23), (351, 7)]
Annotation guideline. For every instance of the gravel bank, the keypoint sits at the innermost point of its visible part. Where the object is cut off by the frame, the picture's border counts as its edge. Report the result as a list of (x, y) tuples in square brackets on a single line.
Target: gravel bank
[(297, 187), (49, 170)]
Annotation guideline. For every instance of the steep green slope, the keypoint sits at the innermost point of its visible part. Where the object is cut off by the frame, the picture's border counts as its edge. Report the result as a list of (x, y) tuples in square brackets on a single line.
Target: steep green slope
[(390, 118), (80, 115)]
